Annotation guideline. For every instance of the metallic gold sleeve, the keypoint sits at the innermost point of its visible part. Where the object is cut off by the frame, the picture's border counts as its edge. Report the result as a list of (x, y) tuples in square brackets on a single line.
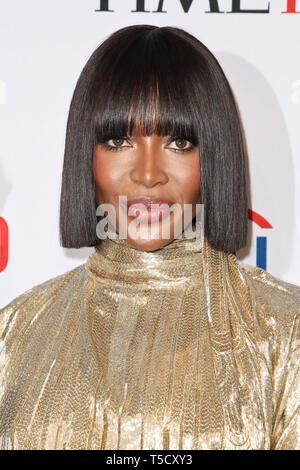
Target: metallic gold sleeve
[(181, 348)]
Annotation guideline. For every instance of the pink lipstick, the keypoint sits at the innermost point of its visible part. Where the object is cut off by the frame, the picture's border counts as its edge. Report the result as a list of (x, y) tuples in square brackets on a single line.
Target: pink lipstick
[(149, 209)]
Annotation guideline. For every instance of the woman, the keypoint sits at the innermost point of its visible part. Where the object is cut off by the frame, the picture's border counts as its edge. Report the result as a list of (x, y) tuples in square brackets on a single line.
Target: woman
[(156, 342)]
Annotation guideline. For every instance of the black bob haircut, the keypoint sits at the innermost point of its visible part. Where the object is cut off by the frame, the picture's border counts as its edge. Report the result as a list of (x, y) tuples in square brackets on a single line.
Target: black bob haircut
[(164, 81)]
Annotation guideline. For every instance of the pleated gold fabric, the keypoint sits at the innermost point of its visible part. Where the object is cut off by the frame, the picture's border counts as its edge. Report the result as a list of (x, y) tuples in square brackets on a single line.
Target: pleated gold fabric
[(180, 348)]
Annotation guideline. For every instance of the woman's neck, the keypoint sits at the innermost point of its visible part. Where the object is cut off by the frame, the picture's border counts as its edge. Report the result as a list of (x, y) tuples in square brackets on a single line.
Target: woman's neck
[(115, 259)]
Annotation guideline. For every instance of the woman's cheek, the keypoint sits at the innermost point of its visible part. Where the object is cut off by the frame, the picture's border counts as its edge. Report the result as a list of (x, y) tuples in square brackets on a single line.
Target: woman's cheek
[(189, 185), (107, 176)]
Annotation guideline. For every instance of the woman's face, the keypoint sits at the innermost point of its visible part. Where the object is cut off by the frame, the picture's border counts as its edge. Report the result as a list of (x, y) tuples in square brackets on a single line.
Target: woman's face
[(148, 167)]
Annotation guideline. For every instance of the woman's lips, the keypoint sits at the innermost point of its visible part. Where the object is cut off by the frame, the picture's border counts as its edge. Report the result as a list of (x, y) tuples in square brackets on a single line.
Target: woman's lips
[(149, 209)]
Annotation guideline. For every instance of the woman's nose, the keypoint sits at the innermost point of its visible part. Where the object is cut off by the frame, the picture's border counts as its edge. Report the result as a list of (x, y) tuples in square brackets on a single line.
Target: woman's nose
[(148, 167)]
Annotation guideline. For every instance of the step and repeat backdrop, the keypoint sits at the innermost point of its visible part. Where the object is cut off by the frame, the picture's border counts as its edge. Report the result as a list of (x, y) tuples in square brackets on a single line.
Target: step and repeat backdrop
[(43, 48)]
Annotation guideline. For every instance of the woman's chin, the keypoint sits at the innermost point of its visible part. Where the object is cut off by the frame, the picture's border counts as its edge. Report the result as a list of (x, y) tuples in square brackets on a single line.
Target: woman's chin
[(149, 236), (148, 244)]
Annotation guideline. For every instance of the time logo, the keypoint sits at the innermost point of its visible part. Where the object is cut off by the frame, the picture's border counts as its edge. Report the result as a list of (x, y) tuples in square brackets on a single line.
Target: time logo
[(289, 6)]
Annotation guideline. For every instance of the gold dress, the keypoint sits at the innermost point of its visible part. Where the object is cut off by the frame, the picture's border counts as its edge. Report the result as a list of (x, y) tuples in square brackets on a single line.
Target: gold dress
[(181, 348)]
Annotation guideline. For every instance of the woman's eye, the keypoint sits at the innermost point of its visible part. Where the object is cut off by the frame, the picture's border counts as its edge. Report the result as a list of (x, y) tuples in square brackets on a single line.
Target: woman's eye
[(116, 142), (181, 144)]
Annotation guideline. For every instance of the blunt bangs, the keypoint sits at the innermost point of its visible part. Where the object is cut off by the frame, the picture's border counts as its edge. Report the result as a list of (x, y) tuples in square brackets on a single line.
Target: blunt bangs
[(156, 80), (150, 89)]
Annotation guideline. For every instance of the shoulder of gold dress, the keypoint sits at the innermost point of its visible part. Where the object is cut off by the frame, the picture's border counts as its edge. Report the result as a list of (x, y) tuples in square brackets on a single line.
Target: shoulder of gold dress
[(275, 284), (30, 303), (277, 301)]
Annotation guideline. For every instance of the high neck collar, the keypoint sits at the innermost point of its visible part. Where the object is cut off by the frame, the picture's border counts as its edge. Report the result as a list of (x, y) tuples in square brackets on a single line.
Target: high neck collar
[(117, 261)]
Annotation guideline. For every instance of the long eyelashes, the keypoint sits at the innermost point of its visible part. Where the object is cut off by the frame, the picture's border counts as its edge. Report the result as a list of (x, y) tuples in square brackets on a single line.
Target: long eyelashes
[(103, 142)]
